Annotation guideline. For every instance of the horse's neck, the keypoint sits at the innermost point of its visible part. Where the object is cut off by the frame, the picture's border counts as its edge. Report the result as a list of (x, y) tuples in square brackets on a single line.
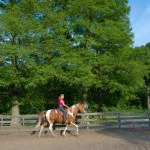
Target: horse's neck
[(73, 110)]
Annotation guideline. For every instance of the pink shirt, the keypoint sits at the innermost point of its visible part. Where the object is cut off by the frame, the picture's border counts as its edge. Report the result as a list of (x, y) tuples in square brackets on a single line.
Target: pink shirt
[(61, 102)]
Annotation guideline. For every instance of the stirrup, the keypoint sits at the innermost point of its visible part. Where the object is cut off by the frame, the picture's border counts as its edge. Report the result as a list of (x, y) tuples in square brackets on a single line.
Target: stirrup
[(63, 121)]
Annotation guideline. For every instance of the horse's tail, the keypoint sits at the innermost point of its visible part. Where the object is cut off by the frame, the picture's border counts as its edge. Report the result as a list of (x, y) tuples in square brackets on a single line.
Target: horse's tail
[(40, 116)]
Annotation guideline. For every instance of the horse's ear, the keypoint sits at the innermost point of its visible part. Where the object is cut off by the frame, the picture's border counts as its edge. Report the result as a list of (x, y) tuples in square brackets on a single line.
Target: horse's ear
[(85, 104), (82, 102)]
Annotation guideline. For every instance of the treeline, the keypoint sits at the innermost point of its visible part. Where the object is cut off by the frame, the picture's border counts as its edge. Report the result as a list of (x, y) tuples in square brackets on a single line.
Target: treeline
[(83, 49)]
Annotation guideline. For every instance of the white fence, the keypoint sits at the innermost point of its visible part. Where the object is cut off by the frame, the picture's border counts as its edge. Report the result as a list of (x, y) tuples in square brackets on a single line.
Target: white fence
[(88, 120)]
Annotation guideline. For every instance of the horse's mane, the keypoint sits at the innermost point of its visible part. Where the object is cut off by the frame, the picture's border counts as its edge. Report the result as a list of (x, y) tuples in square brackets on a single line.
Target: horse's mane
[(79, 103), (72, 108)]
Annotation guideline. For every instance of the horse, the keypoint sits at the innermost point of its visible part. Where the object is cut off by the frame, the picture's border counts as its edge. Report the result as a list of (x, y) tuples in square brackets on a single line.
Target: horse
[(55, 116)]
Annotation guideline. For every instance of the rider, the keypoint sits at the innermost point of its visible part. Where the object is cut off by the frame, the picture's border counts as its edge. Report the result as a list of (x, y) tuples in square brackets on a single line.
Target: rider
[(61, 105)]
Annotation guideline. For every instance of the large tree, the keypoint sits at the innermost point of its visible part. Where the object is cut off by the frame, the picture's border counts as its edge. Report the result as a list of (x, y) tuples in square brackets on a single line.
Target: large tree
[(101, 31), (23, 58)]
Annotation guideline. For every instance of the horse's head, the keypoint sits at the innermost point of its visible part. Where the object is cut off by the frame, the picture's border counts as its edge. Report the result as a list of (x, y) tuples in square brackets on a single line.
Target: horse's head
[(82, 107)]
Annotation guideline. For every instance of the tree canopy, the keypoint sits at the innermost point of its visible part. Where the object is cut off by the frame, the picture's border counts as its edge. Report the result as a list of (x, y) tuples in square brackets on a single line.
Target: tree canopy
[(80, 48)]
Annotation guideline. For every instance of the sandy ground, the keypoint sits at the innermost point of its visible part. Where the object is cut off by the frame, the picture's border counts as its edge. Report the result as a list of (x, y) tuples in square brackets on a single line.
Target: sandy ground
[(107, 139)]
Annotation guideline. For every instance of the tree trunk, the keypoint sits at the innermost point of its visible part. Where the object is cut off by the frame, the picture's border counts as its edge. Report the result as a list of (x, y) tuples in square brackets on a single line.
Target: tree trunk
[(85, 94), (15, 114), (148, 96), (100, 104), (147, 82), (85, 99)]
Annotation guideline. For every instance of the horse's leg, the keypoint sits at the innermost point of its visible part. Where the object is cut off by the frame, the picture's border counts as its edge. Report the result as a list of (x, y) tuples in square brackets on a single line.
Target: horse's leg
[(42, 127), (76, 127), (64, 132), (51, 128)]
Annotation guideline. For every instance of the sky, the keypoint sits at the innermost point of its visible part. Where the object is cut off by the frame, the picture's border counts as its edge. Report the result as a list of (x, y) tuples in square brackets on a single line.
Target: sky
[(140, 21)]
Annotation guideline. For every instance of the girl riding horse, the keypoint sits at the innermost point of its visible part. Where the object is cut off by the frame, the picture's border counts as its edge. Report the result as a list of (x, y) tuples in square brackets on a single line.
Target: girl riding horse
[(61, 105), (51, 116)]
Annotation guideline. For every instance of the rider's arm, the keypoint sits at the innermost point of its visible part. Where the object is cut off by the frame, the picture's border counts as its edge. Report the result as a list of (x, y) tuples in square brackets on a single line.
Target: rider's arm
[(64, 104)]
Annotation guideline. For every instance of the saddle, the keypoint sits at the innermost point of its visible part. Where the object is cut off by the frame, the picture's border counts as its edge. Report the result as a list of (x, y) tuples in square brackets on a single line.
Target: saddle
[(60, 113)]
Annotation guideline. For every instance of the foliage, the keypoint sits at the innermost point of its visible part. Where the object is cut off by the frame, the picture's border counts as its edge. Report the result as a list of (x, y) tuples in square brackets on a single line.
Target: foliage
[(75, 47)]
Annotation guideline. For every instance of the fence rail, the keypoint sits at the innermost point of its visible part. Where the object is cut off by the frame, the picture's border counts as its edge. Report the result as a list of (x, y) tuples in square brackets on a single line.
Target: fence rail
[(88, 120)]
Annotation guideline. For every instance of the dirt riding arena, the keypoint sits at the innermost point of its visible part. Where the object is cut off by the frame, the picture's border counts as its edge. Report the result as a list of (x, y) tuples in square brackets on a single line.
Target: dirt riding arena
[(106, 139)]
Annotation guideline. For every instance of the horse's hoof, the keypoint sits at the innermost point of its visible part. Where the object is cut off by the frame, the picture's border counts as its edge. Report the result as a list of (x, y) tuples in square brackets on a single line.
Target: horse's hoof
[(64, 134), (39, 135)]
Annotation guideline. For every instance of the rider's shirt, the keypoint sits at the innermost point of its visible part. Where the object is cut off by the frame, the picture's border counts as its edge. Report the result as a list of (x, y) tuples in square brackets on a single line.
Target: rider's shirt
[(61, 102)]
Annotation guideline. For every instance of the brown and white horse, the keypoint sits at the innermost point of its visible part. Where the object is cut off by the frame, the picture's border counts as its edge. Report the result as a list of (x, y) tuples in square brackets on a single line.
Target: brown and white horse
[(55, 116)]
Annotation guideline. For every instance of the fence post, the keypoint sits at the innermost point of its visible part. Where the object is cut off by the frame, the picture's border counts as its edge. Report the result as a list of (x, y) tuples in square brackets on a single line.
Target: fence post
[(87, 121), (149, 118), (23, 121), (1, 120), (119, 120)]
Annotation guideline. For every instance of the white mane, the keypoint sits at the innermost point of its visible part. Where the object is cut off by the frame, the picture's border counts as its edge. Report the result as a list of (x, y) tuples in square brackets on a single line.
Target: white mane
[(71, 109)]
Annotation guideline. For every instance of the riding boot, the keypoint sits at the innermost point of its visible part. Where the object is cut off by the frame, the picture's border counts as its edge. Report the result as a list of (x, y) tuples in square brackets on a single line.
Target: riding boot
[(64, 120)]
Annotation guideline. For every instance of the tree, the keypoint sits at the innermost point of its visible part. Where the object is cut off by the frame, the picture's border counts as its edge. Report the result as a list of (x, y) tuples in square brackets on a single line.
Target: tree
[(21, 33), (81, 48), (147, 77), (142, 56), (101, 30)]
